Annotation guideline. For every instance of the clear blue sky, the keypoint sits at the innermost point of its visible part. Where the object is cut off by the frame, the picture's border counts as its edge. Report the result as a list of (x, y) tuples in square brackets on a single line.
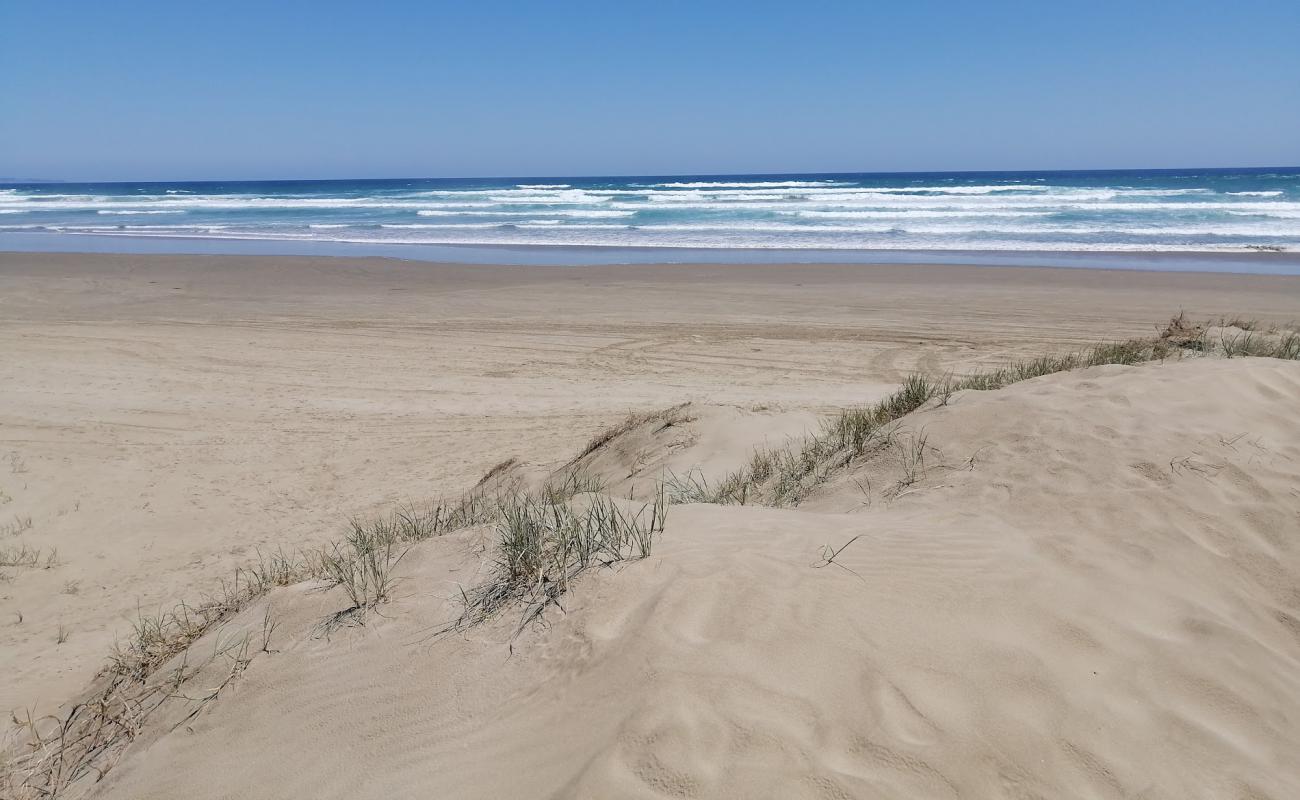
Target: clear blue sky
[(145, 89)]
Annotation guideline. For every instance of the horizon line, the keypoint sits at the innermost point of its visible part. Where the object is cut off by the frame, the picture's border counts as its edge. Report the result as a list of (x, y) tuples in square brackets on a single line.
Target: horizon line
[(30, 181)]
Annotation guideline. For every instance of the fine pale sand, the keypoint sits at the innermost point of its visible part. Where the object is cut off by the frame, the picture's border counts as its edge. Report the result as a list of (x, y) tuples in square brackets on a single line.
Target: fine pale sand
[(1090, 592)]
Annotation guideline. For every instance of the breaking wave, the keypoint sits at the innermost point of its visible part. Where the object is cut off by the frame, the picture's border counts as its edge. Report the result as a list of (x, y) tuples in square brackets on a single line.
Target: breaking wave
[(1118, 211)]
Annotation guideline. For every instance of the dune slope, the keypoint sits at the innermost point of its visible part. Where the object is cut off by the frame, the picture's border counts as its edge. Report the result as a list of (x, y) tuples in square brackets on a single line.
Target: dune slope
[(1090, 587)]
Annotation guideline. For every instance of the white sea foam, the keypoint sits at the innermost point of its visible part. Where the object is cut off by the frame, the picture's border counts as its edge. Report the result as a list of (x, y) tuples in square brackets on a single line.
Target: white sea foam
[(877, 197), (131, 228), (743, 184), (1125, 191), (588, 213), (833, 230), (757, 189), (969, 204), (1010, 187), (565, 237), (559, 196), (882, 198), (443, 226), (1271, 213), (913, 214), (136, 212)]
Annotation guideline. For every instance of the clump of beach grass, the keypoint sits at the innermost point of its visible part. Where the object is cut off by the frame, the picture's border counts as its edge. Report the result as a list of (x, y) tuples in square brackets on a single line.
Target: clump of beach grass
[(569, 483), (544, 541), (501, 468), (1239, 322), (665, 418), (911, 452), (24, 555), (16, 526), (19, 555), (694, 487), (362, 564), (1181, 334), (1233, 337), (1250, 343)]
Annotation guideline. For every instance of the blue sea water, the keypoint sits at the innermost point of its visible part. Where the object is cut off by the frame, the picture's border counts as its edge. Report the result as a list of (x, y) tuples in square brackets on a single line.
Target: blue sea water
[(1202, 210)]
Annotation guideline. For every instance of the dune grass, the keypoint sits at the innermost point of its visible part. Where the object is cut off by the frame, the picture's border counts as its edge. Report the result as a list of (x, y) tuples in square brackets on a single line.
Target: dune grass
[(666, 418), (19, 555), (363, 565), (784, 476), (81, 742), (544, 541), (1235, 337), (24, 555), (15, 526), (1250, 343)]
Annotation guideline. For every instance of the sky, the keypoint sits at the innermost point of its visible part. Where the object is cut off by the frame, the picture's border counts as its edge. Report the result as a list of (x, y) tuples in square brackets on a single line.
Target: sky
[(152, 90)]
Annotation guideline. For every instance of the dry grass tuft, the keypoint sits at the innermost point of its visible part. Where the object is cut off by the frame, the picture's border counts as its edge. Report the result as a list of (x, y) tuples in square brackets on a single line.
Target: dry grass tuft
[(24, 555), (1250, 343), (500, 469), (57, 751), (546, 540), (362, 564), (667, 418), (20, 555), (1181, 333), (17, 525)]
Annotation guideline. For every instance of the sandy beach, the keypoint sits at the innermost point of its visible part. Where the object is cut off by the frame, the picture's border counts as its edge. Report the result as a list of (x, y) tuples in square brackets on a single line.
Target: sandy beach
[(165, 419), (651, 402)]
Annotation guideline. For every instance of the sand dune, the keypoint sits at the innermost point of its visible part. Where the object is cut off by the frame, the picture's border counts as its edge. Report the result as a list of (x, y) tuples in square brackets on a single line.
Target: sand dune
[(1086, 587), (1090, 592)]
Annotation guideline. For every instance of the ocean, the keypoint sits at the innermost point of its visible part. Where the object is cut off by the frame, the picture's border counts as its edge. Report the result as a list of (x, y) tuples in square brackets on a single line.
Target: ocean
[(1195, 210)]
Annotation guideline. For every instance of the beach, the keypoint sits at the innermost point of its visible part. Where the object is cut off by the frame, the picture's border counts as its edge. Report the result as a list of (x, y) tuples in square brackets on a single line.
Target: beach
[(431, 400), (166, 419)]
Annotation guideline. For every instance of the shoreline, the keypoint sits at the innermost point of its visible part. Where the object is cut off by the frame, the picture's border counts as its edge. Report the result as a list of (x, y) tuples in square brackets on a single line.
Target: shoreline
[(385, 268), (1186, 261)]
